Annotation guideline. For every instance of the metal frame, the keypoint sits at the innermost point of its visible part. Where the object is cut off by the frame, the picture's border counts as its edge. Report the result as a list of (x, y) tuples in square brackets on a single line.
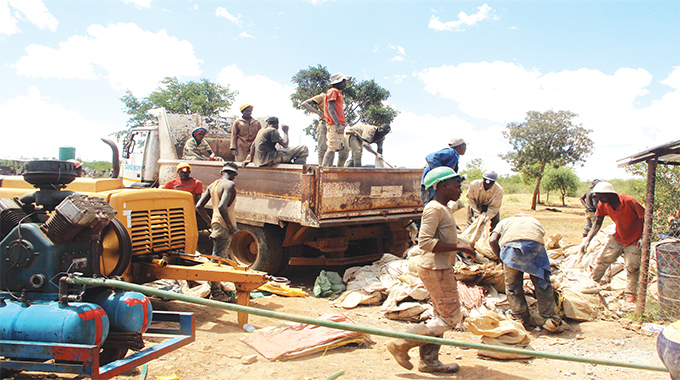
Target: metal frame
[(84, 359)]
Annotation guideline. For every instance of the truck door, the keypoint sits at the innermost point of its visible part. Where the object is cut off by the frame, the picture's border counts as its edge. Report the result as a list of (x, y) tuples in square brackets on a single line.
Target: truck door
[(133, 165)]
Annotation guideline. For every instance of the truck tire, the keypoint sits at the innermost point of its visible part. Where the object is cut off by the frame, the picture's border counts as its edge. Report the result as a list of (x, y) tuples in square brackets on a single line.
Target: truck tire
[(258, 247)]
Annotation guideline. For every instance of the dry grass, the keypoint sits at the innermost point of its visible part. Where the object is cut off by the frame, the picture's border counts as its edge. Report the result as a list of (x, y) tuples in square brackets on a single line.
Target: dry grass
[(568, 221)]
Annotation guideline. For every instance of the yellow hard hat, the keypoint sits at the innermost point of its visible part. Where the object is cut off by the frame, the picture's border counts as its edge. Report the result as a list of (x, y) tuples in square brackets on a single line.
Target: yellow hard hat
[(182, 166)]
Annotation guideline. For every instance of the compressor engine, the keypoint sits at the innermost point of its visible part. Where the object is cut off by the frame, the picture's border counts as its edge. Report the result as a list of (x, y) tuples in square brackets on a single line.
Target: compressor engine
[(45, 236)]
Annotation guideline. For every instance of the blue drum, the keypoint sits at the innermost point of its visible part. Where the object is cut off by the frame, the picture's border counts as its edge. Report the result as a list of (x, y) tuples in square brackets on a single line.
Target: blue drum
[(668, 348)]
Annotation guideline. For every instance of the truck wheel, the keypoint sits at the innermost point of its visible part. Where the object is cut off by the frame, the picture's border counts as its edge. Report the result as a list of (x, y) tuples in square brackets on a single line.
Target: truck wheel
[(258, 247)]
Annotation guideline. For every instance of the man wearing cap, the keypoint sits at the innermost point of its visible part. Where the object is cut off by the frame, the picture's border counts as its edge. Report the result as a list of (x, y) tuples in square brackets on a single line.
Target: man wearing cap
[(185, 182), (445, 157), (628, 215), (243, 132), (362, 136), (264, 152), (485, 197), (590, 202), (196, 148), (518, 241), (435, 255), (334, 113), (222, 194)]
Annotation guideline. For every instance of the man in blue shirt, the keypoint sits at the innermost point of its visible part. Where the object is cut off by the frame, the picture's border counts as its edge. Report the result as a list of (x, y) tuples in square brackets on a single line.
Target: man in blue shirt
[(445, 157)]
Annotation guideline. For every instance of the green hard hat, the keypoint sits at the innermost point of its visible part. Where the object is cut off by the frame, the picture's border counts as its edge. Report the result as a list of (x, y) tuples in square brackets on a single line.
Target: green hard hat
[(438, 174)]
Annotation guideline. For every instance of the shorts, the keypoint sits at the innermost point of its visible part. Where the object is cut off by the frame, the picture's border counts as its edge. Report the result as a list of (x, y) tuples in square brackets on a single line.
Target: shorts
[(334, 139)]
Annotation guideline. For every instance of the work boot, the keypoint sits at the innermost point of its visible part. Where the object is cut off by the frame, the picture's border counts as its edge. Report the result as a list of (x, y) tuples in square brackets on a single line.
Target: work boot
[(555, 325), (399, 347), (218, 294), (429, 360)]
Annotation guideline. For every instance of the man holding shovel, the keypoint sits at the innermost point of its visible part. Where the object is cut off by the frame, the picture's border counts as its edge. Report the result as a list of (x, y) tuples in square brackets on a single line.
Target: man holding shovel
[(361, 136)]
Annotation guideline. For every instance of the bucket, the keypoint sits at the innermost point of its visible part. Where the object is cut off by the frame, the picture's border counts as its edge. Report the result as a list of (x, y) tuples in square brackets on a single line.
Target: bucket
[(67, 153), (668, 268)]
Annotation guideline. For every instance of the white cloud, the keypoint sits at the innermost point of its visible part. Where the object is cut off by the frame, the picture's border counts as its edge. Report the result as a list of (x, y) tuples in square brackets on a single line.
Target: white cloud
[(401, 52), (34, 10), (484, 12), (269, 98), (503, 92), (139, 3), (55, 125), (222, 12), (246, 35), (130, 57)]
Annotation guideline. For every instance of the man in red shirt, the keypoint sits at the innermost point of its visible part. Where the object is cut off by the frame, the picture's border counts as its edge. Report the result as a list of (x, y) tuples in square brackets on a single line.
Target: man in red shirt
[(185, 182), (334, 113), (629, 216)]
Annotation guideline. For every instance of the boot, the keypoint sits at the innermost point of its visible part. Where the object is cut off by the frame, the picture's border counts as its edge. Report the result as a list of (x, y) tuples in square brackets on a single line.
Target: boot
[(399, 347), (429, 360), (218, 294)]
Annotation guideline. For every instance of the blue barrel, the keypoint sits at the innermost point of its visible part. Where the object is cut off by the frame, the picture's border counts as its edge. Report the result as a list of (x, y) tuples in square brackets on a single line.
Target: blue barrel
[(67, 153), (47, 321), (668, 348), (668, 269), (127, 311)]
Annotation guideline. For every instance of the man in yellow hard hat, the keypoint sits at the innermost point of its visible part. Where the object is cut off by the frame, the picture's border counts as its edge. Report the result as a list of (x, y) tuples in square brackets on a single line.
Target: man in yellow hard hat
[(185, 182), (243, 132)]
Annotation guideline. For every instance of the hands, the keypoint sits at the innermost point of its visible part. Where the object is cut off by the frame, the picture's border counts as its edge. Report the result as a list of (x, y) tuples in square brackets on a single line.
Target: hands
[(234, 151), (340, 128), (285, 128)]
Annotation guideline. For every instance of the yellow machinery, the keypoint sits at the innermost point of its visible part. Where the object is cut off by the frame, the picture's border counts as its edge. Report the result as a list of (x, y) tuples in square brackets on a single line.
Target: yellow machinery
[(154, 236)]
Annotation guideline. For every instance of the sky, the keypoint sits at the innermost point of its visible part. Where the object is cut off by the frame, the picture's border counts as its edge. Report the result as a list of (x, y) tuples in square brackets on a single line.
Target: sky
[(453, 68)]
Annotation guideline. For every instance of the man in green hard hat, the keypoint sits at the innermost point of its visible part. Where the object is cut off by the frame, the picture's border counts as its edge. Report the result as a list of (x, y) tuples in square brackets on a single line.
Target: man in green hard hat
[(437, 246)]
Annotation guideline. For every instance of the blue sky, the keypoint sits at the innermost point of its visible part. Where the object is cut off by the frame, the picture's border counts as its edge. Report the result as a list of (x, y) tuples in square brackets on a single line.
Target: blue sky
[(454, 68)]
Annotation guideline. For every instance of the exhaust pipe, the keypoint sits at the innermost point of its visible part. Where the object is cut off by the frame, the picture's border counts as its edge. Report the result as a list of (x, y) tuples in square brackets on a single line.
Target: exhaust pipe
[(115, 160)]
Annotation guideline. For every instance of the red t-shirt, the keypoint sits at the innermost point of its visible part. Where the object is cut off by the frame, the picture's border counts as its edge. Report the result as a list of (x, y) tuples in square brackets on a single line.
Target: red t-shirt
[(334, 94), (194, 186), (629, 218)]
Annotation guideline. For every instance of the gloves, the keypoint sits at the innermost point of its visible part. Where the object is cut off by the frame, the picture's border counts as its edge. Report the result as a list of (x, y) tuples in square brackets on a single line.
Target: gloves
[(340, 128)]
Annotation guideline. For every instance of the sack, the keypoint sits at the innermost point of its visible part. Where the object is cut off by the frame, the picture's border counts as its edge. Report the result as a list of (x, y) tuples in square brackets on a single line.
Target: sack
[(327, 284), (580, 307), (478, 235), (499, 331)]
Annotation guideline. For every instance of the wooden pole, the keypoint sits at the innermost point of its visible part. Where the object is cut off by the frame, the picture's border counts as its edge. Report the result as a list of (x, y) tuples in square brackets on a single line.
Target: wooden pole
[(646, 237)]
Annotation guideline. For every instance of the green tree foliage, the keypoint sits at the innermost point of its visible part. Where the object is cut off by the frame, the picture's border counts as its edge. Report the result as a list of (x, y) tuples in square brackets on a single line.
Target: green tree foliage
[(666, 193), (543, 139), (561, 179), (364, 101), (474, 169), (203, 97)]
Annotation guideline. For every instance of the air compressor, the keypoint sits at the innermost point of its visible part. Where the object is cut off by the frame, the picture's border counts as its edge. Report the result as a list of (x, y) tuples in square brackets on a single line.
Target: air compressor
[(45, 237)]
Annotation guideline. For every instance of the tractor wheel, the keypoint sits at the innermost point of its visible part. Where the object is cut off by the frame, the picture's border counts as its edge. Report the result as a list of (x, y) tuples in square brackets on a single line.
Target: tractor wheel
[(109, 355), (258, 247)]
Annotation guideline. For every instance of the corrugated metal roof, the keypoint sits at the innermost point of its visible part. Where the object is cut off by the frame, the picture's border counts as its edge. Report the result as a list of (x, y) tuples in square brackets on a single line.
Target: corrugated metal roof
[(667, 154)]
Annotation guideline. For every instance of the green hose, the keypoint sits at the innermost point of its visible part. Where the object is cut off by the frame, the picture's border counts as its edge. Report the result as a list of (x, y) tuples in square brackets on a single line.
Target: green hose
[(349, 327)]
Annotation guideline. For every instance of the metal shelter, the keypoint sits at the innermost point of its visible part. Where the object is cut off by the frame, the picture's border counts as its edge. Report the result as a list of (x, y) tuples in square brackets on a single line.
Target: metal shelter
[(666, 154)]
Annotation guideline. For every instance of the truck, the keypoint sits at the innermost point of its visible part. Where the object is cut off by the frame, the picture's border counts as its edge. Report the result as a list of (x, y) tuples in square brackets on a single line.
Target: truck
[(287, 214)]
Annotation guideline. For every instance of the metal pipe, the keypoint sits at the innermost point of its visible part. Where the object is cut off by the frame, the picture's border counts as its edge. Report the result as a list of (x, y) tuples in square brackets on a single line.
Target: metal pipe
[(349, 327)]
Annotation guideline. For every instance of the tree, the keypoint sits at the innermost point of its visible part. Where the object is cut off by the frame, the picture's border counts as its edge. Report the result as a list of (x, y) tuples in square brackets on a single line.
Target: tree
[(562, 179), (364, 101), (203, 97), (666, 193), (542, 139), (474, 169)]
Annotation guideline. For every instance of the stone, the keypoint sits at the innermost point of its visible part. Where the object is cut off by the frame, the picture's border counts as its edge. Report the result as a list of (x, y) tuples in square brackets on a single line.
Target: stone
[(250, 359)]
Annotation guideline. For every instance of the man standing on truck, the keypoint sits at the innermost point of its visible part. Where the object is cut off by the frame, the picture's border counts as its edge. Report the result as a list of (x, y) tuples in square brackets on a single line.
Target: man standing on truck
[(196, 148), (222, 194), (444, 157), (318, 101), (628, 215), (485, 197), (518, 241), (590, 202), (243, 132), (185, 182), (362, 136), (334, 113), (437, 246), (263, 152)]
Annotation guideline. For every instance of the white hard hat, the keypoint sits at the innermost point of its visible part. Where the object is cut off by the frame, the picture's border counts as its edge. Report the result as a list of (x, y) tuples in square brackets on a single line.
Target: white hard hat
[(603, 187)]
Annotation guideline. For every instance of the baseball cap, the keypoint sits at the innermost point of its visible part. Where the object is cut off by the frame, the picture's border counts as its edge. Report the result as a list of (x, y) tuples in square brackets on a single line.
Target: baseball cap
[(183, 165)]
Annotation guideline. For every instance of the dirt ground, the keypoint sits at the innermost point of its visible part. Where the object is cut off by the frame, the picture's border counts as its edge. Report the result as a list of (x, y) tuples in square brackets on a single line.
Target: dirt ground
[(218, 352)]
